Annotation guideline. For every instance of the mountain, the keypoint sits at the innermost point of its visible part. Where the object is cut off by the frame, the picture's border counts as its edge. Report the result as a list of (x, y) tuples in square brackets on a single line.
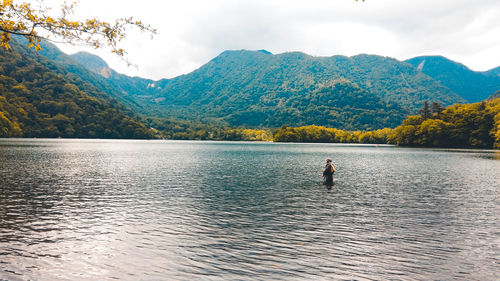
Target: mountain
[(93, 63), (49, 93), (259, 89), (255, 88), (86, 67), (39, 98), (473, 86), (126, 86), (494, 72)]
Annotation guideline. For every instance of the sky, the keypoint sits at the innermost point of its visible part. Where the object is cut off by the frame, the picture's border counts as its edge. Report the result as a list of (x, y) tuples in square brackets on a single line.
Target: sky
[(192, 32)]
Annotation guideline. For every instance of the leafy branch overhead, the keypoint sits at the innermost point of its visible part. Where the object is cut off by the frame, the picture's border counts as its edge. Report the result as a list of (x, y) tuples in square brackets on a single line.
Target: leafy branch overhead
[(36, 23)]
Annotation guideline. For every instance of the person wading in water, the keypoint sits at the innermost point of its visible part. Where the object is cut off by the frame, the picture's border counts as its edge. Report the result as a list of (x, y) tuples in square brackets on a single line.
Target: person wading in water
[(328, 172)]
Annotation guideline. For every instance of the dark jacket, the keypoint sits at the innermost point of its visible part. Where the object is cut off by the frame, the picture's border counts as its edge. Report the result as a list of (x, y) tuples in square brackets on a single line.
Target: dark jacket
[(329, 170)]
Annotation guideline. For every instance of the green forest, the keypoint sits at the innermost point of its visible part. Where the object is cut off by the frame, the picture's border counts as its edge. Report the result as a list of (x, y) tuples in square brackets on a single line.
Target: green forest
[(48, 94), (473, 86), (259, 89), (475, 125), (188, 130), (35, 101), (323, 134)]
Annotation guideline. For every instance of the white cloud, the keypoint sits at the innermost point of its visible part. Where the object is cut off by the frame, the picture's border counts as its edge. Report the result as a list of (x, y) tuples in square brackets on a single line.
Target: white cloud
[(194, 31)]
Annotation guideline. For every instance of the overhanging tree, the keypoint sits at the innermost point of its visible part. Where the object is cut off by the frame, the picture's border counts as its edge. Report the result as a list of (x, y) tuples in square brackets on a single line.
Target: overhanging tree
[(37, 23)]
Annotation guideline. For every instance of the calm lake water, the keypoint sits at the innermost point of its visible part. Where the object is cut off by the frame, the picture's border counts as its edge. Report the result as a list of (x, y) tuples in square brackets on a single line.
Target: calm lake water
[(178, 210)]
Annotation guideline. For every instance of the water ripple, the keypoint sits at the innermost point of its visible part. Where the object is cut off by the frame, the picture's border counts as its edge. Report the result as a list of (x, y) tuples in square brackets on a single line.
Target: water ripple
[(155, 210)]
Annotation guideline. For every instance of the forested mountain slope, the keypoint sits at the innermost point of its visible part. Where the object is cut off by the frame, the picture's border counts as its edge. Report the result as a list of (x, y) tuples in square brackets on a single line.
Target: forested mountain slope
[(494, 72), (129, 88), (260, 89), (472, 85), (96, 73), (40, 99)]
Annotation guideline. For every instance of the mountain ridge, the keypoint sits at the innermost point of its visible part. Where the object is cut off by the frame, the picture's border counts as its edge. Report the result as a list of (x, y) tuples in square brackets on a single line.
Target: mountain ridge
[(94, 63), (38, 98), (82, 58), (261, 89), (253, 81), (472, 85), (494, 71)]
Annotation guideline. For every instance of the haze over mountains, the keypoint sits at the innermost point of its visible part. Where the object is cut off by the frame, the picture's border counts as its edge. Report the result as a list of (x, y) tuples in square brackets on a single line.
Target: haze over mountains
[(260, 89)]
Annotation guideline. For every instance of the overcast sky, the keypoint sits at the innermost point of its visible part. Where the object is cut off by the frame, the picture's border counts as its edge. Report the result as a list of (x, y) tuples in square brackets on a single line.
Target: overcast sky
[(192, 32)]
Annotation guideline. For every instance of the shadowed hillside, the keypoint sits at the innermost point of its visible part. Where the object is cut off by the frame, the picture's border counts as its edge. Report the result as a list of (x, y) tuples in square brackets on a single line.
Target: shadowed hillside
[(473, 86)]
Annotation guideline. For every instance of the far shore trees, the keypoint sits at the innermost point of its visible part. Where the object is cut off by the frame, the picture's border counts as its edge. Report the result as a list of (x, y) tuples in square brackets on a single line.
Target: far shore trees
[(475, 125)]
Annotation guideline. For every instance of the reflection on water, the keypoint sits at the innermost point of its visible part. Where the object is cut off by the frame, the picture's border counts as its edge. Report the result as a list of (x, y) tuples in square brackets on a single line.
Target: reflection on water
[(82, 209)]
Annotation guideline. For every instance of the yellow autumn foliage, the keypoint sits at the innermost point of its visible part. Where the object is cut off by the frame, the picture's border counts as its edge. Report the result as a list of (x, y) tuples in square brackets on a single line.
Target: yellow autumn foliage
[(37, 23)]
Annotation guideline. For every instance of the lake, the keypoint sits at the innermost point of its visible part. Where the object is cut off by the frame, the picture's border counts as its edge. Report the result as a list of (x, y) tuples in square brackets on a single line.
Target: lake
[(188, 210)]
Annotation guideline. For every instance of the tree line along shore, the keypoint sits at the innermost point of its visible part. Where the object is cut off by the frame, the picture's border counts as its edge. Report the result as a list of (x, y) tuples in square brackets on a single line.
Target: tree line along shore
[(475, 125)]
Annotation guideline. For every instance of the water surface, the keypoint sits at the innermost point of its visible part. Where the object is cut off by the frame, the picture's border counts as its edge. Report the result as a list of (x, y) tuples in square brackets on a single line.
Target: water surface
[(179, 210)]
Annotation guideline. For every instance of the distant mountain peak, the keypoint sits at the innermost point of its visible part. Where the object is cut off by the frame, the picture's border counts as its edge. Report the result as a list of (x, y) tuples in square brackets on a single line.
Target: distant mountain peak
[(494, 72), (472, 85), (438, 60), (90, 59), (244, 52), (93, 63)]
